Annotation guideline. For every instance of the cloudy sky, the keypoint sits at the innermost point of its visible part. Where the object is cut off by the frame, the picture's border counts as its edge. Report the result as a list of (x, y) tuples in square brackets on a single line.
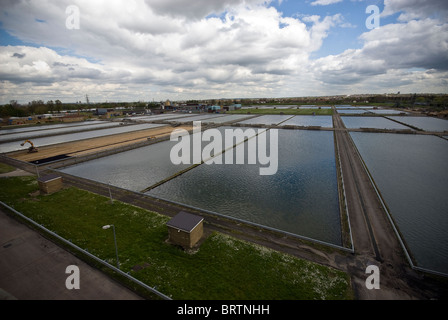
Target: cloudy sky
[(144, 50)]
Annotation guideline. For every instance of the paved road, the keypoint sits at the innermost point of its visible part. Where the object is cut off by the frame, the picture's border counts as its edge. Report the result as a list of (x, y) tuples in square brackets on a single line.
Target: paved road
[(33, 268)]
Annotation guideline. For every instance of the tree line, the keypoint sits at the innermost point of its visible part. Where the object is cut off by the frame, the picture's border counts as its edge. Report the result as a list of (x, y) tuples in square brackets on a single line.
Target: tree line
[(14, 109)]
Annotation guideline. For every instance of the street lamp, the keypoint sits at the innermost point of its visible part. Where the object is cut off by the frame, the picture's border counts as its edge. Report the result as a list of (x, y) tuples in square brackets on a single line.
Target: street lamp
[(110, 193), (115, 240)]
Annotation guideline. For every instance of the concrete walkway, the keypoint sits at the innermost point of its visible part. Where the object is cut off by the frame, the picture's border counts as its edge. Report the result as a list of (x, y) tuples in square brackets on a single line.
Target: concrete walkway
[(34, 268), (16, 173)]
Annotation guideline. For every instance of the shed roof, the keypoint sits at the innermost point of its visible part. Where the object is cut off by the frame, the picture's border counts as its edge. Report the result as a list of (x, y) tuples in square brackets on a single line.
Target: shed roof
[(49, 177), (184, 221)]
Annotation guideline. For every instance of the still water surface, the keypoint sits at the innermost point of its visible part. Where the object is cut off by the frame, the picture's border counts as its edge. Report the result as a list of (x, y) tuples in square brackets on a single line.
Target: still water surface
[(133, 170), (372, 122), (410, 172), (136, 169), (271, 119), (307, 121), (424, 123), (301, 198)]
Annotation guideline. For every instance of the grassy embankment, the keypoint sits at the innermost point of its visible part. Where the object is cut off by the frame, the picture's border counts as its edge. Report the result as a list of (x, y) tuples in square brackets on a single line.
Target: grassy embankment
[(222, 268), (319, 112)]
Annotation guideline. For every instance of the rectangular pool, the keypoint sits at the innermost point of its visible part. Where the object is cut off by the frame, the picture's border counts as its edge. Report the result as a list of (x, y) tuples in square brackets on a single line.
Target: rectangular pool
[(267, 119), (307, 121), (410, 172), (424, 123), (372, 122), (301, 198)]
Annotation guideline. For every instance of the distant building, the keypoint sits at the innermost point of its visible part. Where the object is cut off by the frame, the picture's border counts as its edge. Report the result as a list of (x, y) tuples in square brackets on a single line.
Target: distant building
[(107, 113), (101, 111), (213, 108), (167, 104), (232, 107)]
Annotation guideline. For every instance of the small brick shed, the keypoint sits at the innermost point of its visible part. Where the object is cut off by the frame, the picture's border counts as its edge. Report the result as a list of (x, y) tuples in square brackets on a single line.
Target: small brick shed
[(185, 229), (50, 183)]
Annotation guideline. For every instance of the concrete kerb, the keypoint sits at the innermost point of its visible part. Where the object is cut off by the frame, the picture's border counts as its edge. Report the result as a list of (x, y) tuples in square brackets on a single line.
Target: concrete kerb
[(344, 194), (211, 213), (391, 220), (338, 164), (18, 163), (253, 224)]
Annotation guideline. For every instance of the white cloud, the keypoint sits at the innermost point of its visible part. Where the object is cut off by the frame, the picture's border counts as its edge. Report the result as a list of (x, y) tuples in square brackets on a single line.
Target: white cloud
[(401, 44), (251, 46), (140, 50), (324, 2), (390, 56), (199, 8), (416, 9)]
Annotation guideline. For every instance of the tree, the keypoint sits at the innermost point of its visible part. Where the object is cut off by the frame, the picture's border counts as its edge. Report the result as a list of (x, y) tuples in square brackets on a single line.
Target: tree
[(58, 106), (50, 106), (35, 106), (153, 105), (13, 109), (440, 102)]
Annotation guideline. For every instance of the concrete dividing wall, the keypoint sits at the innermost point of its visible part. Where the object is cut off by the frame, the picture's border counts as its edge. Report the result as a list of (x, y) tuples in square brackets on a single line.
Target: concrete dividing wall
[(75, 160)]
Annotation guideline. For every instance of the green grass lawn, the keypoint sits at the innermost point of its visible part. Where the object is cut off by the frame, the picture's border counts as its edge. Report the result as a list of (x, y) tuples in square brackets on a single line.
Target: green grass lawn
[(320, 112), (222, 268)]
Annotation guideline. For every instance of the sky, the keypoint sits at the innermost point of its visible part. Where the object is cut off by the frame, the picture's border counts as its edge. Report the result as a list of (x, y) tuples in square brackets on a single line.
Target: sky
[(154, 50)]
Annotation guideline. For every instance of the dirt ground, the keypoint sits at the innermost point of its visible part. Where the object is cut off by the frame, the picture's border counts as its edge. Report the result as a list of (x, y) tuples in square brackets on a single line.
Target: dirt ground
[(83, 147)]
